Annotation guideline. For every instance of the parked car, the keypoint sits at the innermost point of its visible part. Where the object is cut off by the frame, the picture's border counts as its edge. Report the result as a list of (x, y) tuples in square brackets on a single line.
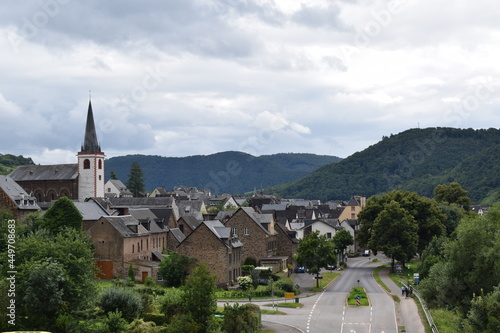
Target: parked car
[(366, 253), (300, 269), (331, 267)]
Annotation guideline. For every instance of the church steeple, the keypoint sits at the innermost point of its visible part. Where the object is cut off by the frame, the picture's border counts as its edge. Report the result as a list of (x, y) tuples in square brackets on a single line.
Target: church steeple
[(90, 143)]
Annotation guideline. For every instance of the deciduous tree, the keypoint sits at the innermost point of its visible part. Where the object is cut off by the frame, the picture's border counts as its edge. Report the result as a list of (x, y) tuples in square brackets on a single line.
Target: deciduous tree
[(315, 252)]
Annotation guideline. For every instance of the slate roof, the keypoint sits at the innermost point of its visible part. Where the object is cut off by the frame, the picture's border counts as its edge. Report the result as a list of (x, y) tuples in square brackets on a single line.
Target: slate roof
[(142, 214), (177, 233), (17, 194), (353, 202), (145, 202), (45, 172), (120, 186), (192, 221), (126, 225), (222, 232), (90, 143), (90, 210)]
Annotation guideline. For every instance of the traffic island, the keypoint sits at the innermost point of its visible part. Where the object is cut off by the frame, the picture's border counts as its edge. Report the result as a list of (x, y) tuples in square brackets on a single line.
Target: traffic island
[(358, 297)]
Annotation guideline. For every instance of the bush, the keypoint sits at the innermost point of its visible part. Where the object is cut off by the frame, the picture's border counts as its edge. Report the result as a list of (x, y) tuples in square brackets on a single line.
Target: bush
[(126, 301), (141, 326), (245, 282), (171, 303), (242, 319)]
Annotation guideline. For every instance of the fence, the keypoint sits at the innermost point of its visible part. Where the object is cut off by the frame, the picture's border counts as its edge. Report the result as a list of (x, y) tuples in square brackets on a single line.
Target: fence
[(428, 315)]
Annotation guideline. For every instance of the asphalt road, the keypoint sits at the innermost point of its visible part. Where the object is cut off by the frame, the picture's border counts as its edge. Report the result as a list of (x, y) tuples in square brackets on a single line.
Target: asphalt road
[(327, 311)]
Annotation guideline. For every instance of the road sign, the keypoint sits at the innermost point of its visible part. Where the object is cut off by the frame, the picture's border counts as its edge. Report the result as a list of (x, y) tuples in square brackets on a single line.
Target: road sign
[(318, 277), (358, 297), (358, 302), (289, 295)]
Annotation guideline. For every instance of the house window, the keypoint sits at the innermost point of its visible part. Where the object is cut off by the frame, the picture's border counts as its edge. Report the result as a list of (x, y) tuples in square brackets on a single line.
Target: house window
[(246, 232), (132, 248), (353, 208), (329, 235), (86, 164), (100, 164), (229, 259), (353, 216), (234, 231), (181, 228)]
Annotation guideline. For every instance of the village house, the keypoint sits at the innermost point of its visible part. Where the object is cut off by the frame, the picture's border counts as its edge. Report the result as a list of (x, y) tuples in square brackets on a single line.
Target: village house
[(114, 188), (121, 241), (213, 244), (15, 199)]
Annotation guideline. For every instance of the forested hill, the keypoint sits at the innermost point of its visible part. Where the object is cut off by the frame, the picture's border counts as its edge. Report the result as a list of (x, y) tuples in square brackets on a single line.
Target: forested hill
[(226, 172), (415, 160), (9, 162)]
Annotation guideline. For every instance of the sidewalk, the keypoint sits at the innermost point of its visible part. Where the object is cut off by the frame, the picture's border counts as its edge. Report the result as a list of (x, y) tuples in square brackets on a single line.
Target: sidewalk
[(407, 314)]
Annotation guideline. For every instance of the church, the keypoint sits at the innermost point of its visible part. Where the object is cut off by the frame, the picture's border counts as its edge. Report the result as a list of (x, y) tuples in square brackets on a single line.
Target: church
[(75, 181)]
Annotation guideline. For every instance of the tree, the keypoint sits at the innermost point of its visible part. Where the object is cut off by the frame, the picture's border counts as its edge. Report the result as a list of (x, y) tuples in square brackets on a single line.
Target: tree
[(63, 213), (113, 175), (341, 241), (315, 252), (452, 194), (424, 211), (135, 181), (41, 289), (175, 269), (395, 233), (200, 302), (470, 265), (484, 315)]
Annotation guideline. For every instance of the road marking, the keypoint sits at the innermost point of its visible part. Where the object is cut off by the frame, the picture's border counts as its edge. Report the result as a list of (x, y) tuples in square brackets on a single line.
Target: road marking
[(312, 310)]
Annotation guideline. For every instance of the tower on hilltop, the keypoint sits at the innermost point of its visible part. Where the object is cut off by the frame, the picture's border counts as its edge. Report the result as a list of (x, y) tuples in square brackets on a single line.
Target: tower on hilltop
[(90, 162)]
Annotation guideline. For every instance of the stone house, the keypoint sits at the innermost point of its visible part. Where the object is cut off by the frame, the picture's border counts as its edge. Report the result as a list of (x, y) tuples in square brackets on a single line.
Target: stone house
[(256, 231), (15, 199), (213, 244), (120, 241)]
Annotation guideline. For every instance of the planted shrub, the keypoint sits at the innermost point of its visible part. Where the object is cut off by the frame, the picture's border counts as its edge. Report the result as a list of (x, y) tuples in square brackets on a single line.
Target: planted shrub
[(123, 300)]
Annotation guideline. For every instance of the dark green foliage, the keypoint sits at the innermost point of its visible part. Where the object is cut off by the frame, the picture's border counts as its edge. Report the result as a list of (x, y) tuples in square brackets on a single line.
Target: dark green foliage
[(452, 194), (484, 315), (242, 319), (315, 252), (9, 162), (229, 172), (199, 298), (135, 182), (63, 213), (41, 289), (66, 262), (433, 254), (395, 233), (415, 160), (342, 240), (471, 263), (113, 175), (124, 300), (424, 211), (171, 303), (175, 269), (250, 261)]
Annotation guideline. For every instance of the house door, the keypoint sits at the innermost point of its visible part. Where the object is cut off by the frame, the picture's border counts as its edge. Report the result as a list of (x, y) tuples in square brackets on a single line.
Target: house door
[(144, 276), (106, 269)]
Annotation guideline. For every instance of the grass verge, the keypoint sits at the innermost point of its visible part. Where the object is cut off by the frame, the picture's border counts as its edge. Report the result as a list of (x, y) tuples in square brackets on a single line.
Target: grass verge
[(377, 278), (355, 292), (288, 305), (325, 281)]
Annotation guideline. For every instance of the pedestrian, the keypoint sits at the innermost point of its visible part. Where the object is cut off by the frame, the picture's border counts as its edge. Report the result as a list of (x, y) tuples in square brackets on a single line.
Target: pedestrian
[(403, 289), (406, 292), (411, 290)]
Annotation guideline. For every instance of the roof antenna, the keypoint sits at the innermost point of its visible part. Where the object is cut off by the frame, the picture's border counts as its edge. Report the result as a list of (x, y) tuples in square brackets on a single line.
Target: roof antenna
[(90, 95)]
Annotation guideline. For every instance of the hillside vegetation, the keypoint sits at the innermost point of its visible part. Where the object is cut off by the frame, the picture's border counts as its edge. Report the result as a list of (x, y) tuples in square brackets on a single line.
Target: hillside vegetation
[(9, 162), (226, 172), (415, 160)]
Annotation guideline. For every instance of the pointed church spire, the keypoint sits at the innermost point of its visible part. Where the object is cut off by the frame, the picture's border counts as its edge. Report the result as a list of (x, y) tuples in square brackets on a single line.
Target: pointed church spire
[(90, 143)]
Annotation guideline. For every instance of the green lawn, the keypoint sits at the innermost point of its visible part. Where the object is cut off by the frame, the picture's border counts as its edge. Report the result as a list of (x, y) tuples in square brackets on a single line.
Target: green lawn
[(325, 281)]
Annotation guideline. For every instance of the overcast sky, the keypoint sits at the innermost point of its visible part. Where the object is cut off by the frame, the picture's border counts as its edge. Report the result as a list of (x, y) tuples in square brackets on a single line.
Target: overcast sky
[(191, 77)]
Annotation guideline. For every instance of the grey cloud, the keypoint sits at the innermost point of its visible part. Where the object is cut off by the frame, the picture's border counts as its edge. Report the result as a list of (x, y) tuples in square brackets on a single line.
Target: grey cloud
[(318, 17)]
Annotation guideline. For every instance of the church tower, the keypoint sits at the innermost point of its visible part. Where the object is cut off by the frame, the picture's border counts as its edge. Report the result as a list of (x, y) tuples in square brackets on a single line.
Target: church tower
[(90, 163)]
